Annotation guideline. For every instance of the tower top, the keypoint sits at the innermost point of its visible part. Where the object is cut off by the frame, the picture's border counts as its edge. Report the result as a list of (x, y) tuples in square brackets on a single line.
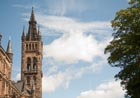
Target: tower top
[(32, 30)]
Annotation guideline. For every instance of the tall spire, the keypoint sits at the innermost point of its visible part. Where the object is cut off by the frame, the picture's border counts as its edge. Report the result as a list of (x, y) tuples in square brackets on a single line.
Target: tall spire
[(32, 31), (32, 18)]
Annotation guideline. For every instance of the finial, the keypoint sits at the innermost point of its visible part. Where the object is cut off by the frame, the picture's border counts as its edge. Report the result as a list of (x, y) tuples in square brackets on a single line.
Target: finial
[(0, 37)]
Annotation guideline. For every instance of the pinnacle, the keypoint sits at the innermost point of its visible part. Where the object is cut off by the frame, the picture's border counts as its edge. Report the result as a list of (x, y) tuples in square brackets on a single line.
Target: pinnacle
[(9, 47)]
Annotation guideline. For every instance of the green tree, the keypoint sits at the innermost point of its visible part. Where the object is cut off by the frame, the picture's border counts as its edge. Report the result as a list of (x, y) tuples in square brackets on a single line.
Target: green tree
[(124, 49)]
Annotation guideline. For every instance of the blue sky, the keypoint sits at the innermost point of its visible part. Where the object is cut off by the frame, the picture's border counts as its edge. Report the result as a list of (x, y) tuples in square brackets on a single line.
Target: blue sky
[(75, 33)]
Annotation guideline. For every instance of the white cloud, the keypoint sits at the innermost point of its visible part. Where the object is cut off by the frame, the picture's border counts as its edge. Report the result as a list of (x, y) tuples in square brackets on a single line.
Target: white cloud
[(74, 45), (59, 80), (72, 48), (51, 83), (111, 89), (18, 76), (70, 25), (56, 78)]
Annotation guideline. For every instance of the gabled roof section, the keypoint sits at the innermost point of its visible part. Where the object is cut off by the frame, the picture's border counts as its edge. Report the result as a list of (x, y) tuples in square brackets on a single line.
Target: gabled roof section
[(21, 86)]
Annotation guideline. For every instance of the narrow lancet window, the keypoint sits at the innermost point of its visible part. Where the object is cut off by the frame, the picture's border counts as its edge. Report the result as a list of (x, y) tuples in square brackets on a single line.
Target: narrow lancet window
[(28, 64), (34, 64)]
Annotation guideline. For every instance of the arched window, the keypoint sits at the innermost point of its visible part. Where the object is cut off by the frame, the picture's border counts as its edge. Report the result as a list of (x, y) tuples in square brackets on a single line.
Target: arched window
[(30, 46), (34, 64), (33, 46), (28, 80), (36, 46), (28, 64), (26, 46)]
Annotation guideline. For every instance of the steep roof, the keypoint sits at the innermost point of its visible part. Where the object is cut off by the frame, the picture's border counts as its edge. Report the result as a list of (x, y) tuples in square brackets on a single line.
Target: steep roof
[(21, 86)]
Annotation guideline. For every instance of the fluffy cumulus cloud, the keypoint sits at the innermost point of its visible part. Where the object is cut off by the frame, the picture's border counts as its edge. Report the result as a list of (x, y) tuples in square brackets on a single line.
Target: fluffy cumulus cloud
[(55, 78), (111, 89), (75, 47), (51, 83), (80, 41), (59, 79), (75, 44)]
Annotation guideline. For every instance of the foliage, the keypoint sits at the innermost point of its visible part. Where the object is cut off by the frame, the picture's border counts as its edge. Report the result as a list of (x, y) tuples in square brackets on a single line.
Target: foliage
[(124, 49)]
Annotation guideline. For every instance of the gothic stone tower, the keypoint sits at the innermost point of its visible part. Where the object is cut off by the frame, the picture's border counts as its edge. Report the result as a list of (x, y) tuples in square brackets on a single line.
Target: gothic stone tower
[(31, 61)]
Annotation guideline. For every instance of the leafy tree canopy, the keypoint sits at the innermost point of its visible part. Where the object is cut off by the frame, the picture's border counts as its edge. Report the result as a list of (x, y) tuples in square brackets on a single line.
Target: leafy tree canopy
[(124, 49)]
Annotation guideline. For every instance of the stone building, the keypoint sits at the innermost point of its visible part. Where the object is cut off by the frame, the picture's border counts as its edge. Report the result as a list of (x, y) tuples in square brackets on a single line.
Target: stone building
[(30, 85), (7, 87), (31, 63)]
